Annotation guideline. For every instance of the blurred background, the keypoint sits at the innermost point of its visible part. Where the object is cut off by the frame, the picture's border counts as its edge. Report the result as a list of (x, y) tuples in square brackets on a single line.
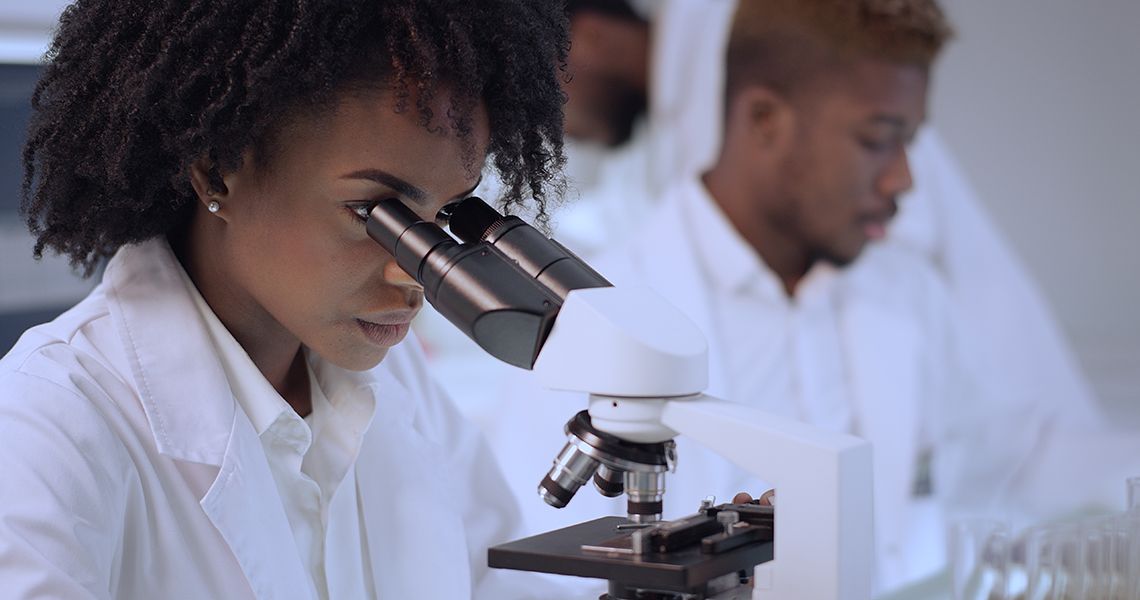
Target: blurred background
[(1035, 98)]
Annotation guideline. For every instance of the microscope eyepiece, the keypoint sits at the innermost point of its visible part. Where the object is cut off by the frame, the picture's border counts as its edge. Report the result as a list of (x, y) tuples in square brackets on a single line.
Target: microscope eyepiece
[(481, 291), (549, 262), (472, 218)]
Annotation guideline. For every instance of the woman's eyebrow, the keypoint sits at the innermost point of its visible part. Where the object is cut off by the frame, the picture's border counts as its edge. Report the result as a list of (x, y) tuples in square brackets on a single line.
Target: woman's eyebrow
[(403, 187)]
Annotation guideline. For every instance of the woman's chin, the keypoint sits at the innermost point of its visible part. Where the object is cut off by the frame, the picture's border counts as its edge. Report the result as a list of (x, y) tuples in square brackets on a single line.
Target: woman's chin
[(364, 360), (352, 356)]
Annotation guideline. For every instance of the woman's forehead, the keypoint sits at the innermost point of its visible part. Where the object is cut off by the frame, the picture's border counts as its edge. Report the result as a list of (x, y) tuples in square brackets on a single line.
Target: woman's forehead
[(369, 132)]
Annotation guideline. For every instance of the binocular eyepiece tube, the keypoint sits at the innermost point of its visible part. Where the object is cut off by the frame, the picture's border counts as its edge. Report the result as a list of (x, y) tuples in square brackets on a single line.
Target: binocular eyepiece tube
[(502, 287)]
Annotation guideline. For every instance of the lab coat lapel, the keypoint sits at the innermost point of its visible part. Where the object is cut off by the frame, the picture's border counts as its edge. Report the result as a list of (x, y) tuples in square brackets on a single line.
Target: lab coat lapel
[(193, 416), (243, 504), (402, 499), (882, 347)]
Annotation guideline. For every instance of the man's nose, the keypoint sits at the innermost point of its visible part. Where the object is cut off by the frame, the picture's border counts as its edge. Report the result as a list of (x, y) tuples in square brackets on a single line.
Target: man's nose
[(896, 179)]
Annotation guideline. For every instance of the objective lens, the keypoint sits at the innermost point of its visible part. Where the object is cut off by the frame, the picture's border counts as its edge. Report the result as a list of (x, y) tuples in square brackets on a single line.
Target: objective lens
[(645, 491), (571, 469), (610, 482)]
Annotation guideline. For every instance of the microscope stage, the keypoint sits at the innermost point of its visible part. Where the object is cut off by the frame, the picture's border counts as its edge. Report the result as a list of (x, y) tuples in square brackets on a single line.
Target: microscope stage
[(560, 552)]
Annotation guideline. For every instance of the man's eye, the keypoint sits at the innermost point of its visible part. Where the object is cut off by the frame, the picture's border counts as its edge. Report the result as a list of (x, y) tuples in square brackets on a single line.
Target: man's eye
[(876, 145)]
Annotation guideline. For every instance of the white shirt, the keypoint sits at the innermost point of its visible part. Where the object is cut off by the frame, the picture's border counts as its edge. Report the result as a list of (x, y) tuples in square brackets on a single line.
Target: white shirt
[(788, 354), (308, 457)]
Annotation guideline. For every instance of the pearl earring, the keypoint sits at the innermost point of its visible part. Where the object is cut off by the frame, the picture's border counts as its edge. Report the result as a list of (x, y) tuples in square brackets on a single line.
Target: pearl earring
[(213, 206)]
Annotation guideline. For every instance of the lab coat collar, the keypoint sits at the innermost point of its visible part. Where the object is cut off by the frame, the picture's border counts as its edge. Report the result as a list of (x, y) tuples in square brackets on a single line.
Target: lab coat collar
[(252, 391), (359, 395), (734, 266), (180, 381), (731, 263)]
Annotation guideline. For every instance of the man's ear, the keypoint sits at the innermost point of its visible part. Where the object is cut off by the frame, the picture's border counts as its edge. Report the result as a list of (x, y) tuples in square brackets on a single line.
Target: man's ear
[(207, 180), (762, 115)]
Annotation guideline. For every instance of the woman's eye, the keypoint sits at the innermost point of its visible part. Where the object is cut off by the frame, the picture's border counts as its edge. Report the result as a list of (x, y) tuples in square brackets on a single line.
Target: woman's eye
[(362, 210), (443, 217)]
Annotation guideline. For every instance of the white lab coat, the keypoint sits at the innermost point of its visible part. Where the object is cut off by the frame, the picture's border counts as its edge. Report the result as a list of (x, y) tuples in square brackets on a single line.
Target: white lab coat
[(942, 218), (127, 470)]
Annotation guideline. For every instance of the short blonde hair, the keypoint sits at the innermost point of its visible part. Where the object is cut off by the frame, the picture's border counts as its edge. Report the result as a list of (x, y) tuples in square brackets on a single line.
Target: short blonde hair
[(785, 43)]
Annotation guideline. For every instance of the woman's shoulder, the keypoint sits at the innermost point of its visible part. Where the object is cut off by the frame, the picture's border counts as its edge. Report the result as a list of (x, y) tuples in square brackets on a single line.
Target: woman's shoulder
[(65, 371), (61, 435), (55, 350)]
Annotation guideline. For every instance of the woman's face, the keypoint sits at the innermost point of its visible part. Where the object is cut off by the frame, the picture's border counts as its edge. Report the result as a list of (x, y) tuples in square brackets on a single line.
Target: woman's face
[(292, 244)]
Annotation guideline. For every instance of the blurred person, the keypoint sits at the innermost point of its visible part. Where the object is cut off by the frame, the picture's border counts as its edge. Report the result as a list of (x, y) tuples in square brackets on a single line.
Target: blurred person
[(607, 136), (941, 218), (234, 412), (779, 254)]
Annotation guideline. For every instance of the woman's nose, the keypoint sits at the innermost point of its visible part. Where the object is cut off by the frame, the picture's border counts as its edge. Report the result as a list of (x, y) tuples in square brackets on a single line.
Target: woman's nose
[(394, 275)]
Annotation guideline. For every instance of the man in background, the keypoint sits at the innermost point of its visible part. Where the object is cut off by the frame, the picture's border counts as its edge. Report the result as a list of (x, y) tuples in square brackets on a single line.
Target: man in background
[(777, 252)]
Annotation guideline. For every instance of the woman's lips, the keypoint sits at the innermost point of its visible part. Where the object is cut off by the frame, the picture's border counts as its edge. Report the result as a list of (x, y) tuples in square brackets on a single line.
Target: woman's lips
[(384, 334)]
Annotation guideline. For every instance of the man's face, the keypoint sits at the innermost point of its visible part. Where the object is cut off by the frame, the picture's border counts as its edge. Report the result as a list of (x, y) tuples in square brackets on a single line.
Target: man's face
[(846, 164), (295, 251)]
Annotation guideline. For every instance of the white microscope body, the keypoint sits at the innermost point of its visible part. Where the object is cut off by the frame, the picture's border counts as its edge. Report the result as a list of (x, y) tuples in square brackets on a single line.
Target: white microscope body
[(645, 366)]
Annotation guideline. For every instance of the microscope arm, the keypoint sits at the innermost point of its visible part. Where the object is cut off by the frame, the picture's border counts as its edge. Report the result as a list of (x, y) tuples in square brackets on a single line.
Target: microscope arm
[(823, 532)]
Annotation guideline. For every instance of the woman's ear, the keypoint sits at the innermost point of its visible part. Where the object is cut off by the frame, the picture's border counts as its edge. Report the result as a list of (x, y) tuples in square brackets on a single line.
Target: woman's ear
[(207, 181)]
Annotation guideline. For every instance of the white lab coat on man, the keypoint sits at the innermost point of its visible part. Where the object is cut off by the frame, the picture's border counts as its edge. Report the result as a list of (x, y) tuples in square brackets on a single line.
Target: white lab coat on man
[(127, 469), (942, 219)]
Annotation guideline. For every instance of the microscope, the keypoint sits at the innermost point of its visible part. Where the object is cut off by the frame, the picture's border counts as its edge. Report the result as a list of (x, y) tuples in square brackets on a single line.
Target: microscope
[(530, 302)]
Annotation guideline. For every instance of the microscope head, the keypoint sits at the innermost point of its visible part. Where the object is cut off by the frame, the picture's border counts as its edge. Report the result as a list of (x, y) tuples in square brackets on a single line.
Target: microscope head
[(504, 284)]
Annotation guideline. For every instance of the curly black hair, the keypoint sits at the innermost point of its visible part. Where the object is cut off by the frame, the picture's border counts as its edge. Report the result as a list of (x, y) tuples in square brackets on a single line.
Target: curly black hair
[(136, 90)]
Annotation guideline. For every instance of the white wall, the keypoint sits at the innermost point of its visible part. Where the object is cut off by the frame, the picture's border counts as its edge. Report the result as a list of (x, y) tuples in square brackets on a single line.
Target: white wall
[(1039, 100)]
